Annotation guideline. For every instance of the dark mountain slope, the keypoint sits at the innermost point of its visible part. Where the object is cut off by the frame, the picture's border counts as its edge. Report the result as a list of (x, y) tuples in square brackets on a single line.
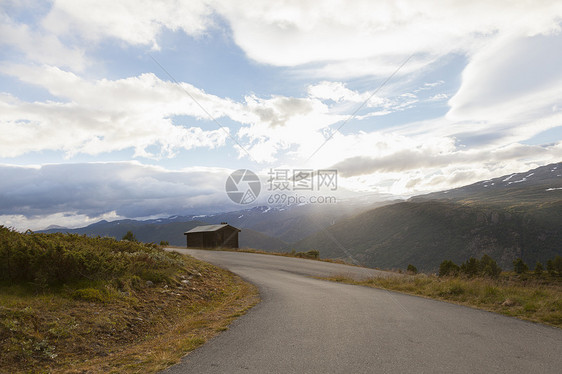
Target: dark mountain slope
[(506, 222)]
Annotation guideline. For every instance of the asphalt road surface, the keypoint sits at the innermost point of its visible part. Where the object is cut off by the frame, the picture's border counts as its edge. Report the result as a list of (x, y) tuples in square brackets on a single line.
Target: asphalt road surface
[(305, 325)]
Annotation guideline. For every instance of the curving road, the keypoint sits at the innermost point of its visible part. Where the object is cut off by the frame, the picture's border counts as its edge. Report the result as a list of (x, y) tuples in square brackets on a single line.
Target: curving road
[(305, 325)]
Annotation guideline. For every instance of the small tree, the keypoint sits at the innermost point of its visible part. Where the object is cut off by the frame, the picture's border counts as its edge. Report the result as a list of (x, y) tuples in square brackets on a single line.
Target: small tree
[(470, 267), (488, 267), (554, 267), (448, 267), (412, 269), (550, 267), (558, 265), (519, 266), (129, 236), (313, 253), (538, 268)]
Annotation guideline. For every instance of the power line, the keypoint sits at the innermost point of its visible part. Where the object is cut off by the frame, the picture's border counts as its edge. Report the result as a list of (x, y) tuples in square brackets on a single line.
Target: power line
[(361, 106), (202, 108)]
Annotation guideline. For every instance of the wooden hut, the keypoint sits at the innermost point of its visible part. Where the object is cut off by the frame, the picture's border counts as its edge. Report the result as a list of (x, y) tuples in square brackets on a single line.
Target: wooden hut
[(212, 236)]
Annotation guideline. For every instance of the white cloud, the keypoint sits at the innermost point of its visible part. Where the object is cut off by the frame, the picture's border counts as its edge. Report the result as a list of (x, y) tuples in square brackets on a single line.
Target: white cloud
[(408, 172), (363, 37), (121, 189), (100, 116), (336, 91), (510, 91), (438, 97), (511, 80), (38, 46), (137, 22), (41, 222), (300, 126), (104, 116), (283, 122), (336, 39)]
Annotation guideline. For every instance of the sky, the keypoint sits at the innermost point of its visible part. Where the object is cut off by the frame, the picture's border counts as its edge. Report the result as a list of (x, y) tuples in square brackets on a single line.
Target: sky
[(134, 108)]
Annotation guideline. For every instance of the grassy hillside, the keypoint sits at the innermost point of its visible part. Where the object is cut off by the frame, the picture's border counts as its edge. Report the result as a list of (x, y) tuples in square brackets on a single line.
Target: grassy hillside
[(97, 305), (427, 232)]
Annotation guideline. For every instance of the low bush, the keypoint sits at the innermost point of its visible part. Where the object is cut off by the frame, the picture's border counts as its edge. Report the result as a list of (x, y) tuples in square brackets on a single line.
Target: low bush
[(519, 266), (554, 266), (309, 254), (129, 236), (488, 267), (485, 267), (471, 267), (89, 294), (50, 259), (412, 269), (448, 268)]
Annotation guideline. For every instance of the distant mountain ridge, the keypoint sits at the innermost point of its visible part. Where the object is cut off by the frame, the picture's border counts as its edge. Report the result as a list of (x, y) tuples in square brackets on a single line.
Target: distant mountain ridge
[(536, 185), (263, 227), (505, 220), (516, 215)]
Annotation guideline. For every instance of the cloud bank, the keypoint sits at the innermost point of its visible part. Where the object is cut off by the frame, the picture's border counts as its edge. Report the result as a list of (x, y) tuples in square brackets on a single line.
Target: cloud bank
[(438, 124), (114, 190)]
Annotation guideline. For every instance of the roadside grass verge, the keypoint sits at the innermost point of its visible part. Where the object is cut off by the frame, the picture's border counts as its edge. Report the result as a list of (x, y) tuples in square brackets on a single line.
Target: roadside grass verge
[(309, 255), (130, 308), (537, 300)]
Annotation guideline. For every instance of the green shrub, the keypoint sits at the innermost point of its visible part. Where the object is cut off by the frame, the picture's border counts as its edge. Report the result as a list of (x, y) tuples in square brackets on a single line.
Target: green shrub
[(412, 269), (485, 267), (538, 269), (309, 254), (554, 266), (129, 236), (155, 276), (448, 268), (164, 243), (488, 267), (519, 266), (48, 259), (314, 253), (89, 294), (557, 265), (471, 267), (550, 267)]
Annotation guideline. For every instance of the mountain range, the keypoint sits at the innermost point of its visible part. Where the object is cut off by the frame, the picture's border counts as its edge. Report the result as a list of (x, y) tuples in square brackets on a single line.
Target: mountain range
[(516, 215)]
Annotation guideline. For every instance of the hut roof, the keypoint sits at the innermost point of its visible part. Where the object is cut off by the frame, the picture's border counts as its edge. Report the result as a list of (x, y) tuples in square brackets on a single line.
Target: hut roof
[(208, 228)]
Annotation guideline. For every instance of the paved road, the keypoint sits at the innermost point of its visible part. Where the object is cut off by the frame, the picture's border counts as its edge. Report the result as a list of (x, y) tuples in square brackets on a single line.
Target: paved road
[(305, 325)]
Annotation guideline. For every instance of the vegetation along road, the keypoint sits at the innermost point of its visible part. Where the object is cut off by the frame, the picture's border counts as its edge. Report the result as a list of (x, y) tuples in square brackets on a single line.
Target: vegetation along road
[(306, 325)]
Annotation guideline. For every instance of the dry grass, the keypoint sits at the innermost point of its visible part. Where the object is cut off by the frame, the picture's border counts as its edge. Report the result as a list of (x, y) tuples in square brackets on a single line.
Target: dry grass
[(528, 298), (283, 254), (142, 330)]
